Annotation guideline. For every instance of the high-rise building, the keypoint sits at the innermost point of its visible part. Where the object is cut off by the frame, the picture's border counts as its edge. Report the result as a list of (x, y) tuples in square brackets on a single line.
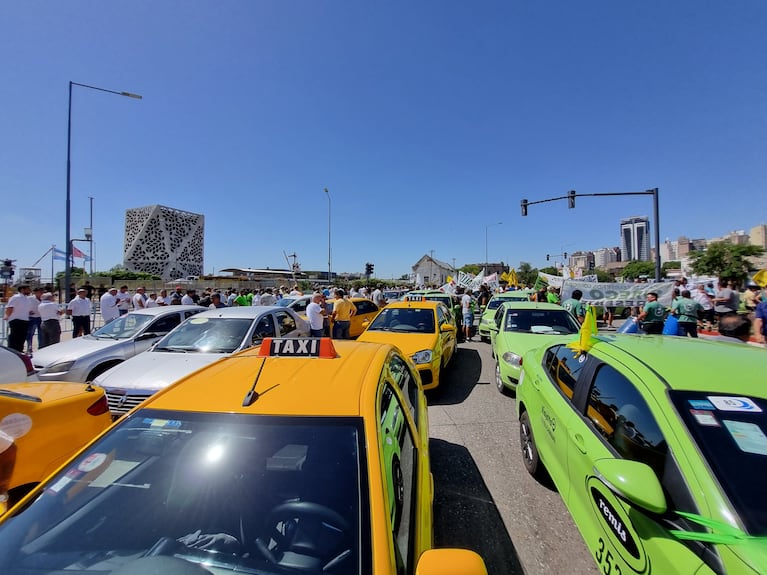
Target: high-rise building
[(164, 241), (758, 236), (635, 239)]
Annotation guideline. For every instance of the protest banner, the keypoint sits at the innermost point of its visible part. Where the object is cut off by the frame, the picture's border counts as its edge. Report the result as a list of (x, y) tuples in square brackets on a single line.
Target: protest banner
[(618, 294)]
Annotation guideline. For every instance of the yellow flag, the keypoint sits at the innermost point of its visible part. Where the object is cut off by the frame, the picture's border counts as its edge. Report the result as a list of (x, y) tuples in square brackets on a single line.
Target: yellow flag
[(760, 277), (513, 277), (586, 334)]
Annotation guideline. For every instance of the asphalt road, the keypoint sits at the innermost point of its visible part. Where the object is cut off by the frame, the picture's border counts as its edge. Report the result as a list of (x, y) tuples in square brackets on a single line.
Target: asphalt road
[(484, 498)]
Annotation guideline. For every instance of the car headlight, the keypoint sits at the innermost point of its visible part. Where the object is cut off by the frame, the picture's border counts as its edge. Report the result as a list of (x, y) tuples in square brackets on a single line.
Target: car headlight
[(487, 320), (421, 357), (512, 359), (59, 367)]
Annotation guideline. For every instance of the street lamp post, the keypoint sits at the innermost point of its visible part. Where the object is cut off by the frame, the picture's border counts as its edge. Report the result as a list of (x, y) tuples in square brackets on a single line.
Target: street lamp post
[(329, 253), (486, 228), (68, 262)]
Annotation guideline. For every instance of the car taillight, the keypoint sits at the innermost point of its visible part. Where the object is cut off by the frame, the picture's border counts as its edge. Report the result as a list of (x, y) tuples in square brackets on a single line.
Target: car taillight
[(28, 364), (100, 406)]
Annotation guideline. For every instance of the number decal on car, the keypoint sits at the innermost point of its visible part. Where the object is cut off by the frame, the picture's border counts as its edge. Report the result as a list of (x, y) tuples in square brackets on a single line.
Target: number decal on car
[(606, 560)]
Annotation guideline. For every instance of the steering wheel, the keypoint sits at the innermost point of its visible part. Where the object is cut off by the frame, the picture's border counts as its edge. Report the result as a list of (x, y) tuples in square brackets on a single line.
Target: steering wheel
[(305, 536)]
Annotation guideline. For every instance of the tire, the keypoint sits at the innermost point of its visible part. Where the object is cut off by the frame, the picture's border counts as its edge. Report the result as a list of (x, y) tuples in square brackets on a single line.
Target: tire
[(529, 450), (99, 369), (626, 312), (499, 380), (484, 339)]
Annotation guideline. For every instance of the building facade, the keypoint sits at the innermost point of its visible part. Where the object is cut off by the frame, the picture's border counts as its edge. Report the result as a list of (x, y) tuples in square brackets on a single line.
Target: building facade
[(164, 241), (431, 272), (635, 239)]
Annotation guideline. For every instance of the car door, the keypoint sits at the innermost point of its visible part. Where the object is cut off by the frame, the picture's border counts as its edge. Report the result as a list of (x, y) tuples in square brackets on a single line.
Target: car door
[(551, 410), (620, 422), (159, 327), (447, 337), (366, 311), (287, 326), (265, 327)]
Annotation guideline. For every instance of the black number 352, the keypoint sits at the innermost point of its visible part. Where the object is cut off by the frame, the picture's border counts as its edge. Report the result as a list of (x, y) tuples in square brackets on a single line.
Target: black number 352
[(605, 560)]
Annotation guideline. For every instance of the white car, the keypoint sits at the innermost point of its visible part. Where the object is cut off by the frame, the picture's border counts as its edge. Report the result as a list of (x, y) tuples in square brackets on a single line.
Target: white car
[(84, 358), (14, 366), (198, 341)]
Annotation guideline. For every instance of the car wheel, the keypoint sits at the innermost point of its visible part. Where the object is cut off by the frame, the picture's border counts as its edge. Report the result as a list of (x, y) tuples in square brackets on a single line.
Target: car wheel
[(499, 379), (529, 450), (484, 338), (626, 312)]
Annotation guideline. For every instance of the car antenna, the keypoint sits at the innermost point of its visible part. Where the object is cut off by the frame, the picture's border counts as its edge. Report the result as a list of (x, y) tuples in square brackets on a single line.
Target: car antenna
[(252, 394)]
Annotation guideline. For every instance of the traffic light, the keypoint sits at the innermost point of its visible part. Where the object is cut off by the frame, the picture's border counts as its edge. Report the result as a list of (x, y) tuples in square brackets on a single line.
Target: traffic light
[(6, 271), (564, 256), (524, 207), (368, 269), (571, 199), (547, 257)]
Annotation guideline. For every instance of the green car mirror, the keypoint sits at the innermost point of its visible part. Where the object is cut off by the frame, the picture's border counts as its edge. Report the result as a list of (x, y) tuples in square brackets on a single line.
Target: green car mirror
[(633, 481)]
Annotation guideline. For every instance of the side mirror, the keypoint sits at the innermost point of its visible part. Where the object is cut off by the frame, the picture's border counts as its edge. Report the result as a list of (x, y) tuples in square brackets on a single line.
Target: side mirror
[(447, 327), (633, 481), (450, 562), (149, 335), (493, 327)]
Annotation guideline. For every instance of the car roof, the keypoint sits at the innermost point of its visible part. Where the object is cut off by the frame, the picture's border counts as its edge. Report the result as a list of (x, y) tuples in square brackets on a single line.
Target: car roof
[(242, 311), (524, 304), (311, 386), (413, 304), (517, 294), (693, 364), (161, 310)]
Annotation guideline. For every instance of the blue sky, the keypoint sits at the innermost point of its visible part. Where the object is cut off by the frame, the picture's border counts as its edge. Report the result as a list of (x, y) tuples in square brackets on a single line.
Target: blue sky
[(428, 121)]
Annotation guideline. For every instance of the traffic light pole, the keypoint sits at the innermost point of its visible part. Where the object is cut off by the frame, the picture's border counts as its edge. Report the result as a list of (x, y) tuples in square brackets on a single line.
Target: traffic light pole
[(571, 195)]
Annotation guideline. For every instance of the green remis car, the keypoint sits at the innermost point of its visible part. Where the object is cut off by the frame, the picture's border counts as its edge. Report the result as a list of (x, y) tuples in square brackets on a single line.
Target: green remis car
[(658, 447), (495, 302)]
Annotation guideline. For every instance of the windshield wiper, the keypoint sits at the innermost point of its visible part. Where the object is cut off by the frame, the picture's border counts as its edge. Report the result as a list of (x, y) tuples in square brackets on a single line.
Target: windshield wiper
[(109, 335), (172, 349), (16, 395)]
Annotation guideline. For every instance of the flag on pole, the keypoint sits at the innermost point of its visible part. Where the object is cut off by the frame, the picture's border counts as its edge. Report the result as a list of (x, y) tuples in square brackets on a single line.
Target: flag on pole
[(59, 254), (78, 253)]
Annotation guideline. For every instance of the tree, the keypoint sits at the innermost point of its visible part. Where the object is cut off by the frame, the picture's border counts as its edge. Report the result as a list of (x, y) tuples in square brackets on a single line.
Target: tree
[(725, 261), (635, 269), (551, 270), (526, 274), (472, 269), (670, 266), (603, 276)]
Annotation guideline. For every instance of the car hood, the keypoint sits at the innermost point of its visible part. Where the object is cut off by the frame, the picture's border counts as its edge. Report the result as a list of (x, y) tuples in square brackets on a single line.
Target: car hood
[(49, 392), (74, 349), (154, 370), (409, 343)]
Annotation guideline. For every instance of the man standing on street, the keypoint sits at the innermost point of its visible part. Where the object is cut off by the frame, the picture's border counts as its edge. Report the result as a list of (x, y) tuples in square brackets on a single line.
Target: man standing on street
[(574, 306), (80, 310), (34, 320), (653, 314), (108, 304), (123, 301), (316, 315), (343, 310), (467, 315), (49, 314), (17, 316), (687, 310)]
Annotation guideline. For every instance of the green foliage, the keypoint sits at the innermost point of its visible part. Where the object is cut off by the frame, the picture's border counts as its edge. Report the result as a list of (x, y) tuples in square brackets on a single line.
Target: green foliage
[(670, 266), (725, 260), (635, 269), (604, 276), (551, 270), (473, 269), (526, 274)]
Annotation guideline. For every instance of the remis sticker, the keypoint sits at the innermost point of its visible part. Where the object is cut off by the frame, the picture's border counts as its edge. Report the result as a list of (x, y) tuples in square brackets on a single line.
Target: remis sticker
[(735, 404)]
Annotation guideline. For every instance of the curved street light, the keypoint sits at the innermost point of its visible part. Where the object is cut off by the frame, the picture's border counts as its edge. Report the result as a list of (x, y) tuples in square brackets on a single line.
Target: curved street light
[(68, 262)]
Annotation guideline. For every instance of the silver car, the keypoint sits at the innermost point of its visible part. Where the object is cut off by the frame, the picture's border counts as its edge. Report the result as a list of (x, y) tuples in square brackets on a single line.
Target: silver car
[(198, 341), (83, 358)]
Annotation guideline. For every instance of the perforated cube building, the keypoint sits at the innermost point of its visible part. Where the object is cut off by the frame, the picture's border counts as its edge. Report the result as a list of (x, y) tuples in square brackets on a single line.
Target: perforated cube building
[(164, 241)]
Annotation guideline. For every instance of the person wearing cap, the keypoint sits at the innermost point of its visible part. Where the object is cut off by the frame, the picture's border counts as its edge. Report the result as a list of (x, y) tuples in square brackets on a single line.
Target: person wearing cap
[(109, 305), (34, 319), (80, 310), (50, 328)]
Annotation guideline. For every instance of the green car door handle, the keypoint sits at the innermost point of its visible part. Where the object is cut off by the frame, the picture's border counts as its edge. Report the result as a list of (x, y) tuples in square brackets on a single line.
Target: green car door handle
[(579, 443)]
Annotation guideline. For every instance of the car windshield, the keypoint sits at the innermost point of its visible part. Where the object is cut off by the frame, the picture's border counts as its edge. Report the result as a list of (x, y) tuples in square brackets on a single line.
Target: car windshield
[(731, 433), (404, 320), (547, 321), (124, 327), (286, 301), (167, 492), (494, 303), (206, 335)]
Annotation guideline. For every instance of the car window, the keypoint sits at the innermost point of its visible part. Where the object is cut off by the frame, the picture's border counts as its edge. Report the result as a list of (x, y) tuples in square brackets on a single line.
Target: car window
[(400, 465), (164, 324), (213, 487), (622, 417), (286, 322), (556, 321), (124, 327), (300, 306), (403, 377), (563, 368), (264, 328), (365, 306), (191, 312)]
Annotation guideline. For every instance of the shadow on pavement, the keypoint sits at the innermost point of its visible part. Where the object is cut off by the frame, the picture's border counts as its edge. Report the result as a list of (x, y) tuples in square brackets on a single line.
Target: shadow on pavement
[(460, 377), (465, 515)]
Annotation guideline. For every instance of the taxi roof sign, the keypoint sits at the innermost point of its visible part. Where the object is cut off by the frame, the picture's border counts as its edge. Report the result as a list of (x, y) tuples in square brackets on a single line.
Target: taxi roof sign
[(298, 347)]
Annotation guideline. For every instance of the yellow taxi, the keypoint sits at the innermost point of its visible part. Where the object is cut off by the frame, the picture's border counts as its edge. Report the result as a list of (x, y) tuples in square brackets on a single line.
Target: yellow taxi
[(423, 330), (365, 312), (42, 424), (305, 456)]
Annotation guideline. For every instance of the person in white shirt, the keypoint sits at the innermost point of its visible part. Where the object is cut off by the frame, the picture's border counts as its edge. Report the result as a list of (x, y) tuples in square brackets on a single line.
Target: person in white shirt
[(49, 316), (256, 297), (108, 303), (80, 310), (17, 316), (123, 301), (152, 301), (315, 313), (162, 298), (139, 299), (34, 320), (188, 299), (268, 298)]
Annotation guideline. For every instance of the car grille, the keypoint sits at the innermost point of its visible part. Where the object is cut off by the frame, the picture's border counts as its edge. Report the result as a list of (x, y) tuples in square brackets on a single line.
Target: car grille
[(121, 403)]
